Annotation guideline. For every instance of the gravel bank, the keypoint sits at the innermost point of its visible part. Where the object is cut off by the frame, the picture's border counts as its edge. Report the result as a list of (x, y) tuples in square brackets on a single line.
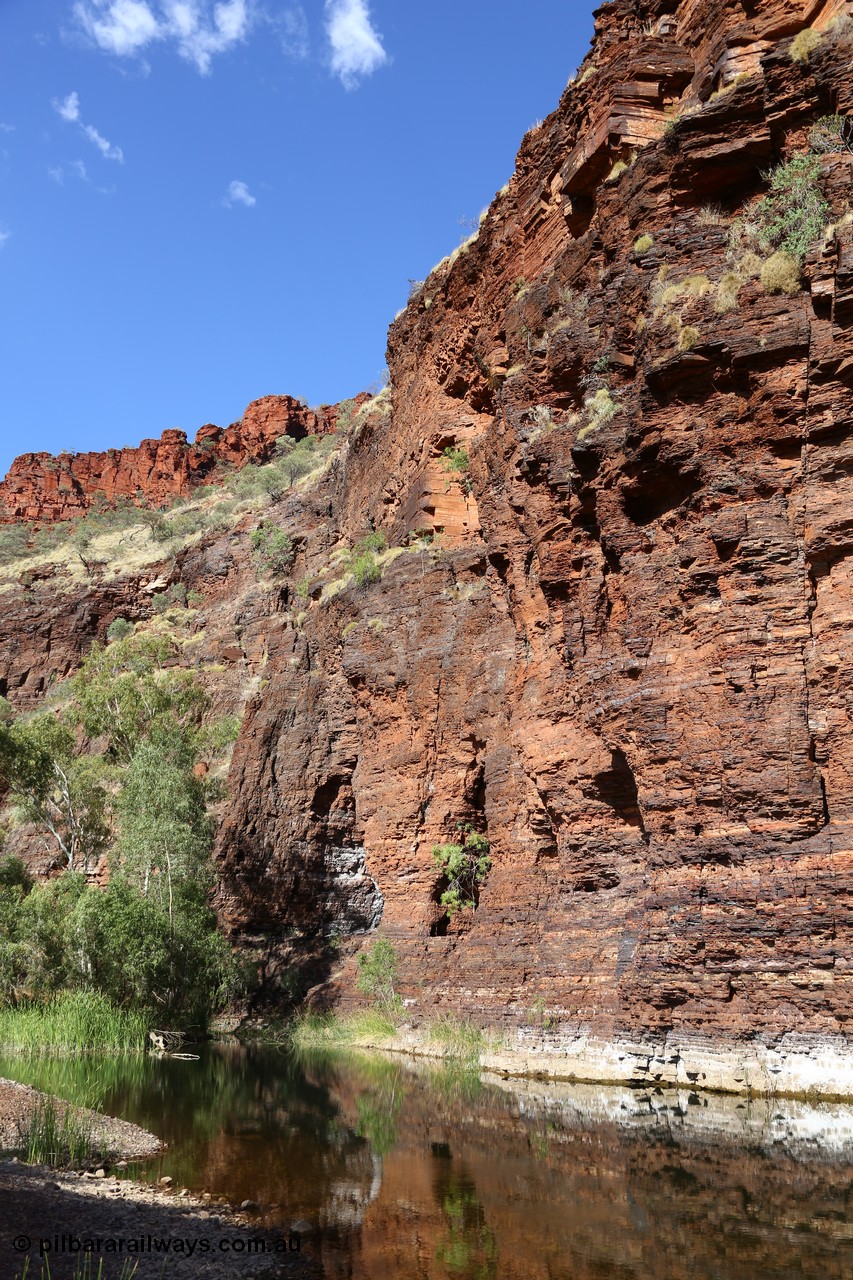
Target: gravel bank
[(163, 1230), (115, 1136)]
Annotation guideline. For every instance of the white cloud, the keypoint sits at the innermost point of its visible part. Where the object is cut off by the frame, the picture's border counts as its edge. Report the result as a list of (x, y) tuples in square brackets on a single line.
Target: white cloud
[(107, 150), (238, 193), (69, 110), (6, 128), (357, 48), (197, 28), (122, 27), (5, 237)]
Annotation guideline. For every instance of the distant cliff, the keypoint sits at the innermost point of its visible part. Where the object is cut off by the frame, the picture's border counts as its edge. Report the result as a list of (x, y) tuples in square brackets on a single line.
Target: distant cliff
[(43, 488)]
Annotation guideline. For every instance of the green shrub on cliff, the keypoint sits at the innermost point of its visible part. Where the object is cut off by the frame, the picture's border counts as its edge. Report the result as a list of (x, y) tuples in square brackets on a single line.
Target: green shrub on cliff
[(377, 977), (464, 867), (272, 549), (794, 212)]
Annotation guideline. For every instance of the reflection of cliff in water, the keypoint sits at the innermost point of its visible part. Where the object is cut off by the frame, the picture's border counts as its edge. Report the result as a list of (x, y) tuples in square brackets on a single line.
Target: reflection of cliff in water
[(406, 1170)]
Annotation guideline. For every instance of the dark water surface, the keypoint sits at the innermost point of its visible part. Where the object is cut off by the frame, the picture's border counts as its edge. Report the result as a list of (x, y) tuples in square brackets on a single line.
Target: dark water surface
[(406, 1172)]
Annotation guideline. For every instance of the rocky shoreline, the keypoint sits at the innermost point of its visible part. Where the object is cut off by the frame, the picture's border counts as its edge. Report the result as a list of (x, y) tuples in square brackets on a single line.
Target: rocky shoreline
[(811, 1068), (56, 1218)]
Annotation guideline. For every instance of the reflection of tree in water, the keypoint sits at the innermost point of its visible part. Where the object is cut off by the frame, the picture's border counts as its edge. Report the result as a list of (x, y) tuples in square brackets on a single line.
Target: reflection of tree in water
[(469, 1250)]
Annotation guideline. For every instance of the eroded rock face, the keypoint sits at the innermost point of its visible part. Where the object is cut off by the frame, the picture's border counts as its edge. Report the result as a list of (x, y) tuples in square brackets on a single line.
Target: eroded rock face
[(625, 666), (614, 642)]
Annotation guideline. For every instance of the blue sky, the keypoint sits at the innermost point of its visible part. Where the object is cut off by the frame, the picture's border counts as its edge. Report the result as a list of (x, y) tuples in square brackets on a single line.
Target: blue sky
[(204, 202)]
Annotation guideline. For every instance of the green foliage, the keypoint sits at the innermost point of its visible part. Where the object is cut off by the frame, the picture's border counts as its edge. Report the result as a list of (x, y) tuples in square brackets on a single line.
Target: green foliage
[(346, 412), (794, 212), (272, 549), (643, 243), (215, 738), (15, 542), (464, 867), (62, 793), (173, 969), (148, 943), (459, 1038), (377, 975), (362, 560), (303, 587), (194, 599), (174, 597), (124, 690), (119, 629), (57, 1135), (455, 458)]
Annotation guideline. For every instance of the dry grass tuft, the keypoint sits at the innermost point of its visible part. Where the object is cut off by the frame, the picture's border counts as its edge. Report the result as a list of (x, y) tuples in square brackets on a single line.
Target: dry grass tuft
[(804, 44), (781, 273)]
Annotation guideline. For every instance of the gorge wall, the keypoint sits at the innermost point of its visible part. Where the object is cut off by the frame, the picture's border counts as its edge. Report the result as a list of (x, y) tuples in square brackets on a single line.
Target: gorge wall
[(617, 643)]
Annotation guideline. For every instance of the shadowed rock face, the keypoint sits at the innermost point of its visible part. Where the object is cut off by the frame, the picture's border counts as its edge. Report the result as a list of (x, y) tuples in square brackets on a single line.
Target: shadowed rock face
[(623, 657)]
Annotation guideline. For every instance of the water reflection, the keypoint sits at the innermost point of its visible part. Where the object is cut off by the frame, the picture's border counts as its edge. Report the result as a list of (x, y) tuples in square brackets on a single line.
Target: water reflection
[(437, 1174)]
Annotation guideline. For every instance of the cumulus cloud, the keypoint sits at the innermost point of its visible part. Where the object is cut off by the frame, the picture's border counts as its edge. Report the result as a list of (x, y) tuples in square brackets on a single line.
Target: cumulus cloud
[(69, 110), (357, 48), (238, 193), (197, 29), (121, 27)]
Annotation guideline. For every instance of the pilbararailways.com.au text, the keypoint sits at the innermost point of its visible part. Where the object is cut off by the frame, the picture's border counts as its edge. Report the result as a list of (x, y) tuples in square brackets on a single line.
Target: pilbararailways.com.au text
[(134, 1246)]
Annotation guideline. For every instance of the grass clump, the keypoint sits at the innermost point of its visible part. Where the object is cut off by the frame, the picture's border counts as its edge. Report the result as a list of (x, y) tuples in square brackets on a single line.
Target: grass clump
[(459, 1038), (781, 273), (728, 289), (831, 134), (70, 1022), (688, 337), (804, 44), (329, 1031), (643, 243), (601, 409), (56, 1135), (665, 296), (363, 560)]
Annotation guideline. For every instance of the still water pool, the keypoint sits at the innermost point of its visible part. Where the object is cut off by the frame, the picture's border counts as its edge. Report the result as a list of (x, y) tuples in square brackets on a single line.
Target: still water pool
[(434, 1174)]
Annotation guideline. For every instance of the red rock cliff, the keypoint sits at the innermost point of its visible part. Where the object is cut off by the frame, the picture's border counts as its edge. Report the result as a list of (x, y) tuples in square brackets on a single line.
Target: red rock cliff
[(625, 668)]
